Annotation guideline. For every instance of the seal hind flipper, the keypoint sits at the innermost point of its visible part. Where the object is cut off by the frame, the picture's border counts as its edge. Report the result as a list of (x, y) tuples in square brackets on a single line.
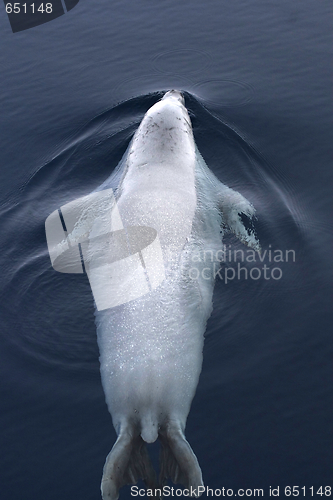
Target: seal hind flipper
[(178, 461), (127, 462)]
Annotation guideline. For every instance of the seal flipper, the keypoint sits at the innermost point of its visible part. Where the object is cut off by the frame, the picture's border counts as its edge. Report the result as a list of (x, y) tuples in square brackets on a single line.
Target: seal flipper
[(127, 462), (228, 202), (231, 204), (178, 462)]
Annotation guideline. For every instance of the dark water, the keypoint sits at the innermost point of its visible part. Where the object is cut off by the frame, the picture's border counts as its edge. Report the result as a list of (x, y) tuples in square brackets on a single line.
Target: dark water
[(256, 77)]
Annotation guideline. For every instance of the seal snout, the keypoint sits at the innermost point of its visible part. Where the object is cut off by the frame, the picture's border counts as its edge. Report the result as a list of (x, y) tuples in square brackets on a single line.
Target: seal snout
[(176, 94)]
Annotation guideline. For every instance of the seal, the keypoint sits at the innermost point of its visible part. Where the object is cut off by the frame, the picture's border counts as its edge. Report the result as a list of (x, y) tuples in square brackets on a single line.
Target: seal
[(153, 288), (151, 347)]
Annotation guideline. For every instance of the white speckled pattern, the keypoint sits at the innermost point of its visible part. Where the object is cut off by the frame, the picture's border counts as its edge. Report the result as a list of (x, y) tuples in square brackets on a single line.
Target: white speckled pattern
[(151, 347), (150, 352)]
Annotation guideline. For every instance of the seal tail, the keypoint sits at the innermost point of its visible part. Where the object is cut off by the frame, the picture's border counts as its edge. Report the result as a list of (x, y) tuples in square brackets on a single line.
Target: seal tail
[(127, 462), (178, 462)]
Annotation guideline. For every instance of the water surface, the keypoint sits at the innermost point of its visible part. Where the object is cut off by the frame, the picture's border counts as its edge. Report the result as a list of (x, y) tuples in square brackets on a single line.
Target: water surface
[(73, 91)]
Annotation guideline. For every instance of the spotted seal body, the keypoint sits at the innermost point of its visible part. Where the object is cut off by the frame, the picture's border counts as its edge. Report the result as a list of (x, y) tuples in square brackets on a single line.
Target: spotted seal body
[(151, 347)]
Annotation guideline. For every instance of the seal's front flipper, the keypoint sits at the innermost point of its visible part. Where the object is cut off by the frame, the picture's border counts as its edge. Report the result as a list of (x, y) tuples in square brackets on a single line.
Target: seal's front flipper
[(127, 462), (178, 462), (231, 205)]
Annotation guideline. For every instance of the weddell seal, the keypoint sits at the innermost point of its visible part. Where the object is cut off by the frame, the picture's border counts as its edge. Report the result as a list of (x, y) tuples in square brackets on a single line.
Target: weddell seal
[(168, 207)]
